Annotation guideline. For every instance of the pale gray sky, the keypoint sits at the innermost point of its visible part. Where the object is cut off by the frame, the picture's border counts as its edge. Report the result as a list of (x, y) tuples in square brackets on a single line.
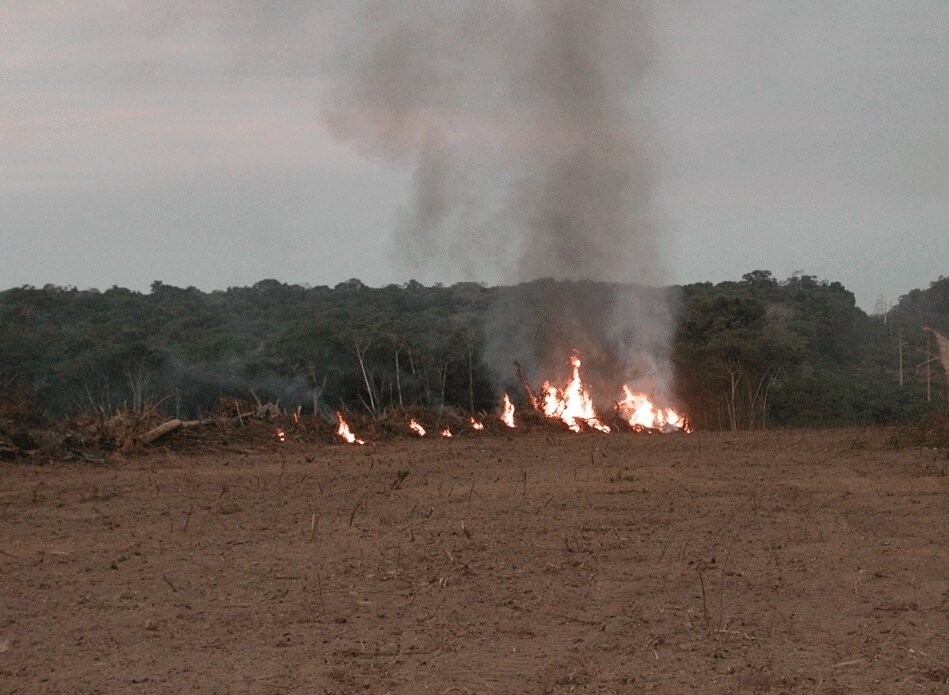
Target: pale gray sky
[(185, 142)]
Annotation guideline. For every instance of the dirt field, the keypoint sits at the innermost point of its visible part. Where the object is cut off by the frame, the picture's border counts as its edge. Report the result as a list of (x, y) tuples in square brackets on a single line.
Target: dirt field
[(760, 563)]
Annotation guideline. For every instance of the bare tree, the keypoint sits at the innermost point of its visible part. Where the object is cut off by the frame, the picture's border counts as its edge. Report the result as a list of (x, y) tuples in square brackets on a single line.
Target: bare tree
[(360, 344), (138, 376)]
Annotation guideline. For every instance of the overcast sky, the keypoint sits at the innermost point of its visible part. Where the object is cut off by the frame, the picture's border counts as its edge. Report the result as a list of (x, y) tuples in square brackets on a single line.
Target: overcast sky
[(185, 142)]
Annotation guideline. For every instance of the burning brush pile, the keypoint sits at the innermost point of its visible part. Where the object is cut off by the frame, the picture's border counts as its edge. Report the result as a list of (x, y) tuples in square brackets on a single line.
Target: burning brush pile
[(568, 407), (572, 406), (244, 427)]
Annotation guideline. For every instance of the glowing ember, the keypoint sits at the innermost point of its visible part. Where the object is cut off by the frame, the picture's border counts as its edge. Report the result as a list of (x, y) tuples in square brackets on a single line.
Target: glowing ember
[(573, 404), (447, 433), (346, 433), (417, 428), (475, 424), (507, 412), (279, 434), (642, 413)]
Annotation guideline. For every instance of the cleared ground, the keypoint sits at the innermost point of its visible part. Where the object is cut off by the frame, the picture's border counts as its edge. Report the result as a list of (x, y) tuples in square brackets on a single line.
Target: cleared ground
[(788, 562)]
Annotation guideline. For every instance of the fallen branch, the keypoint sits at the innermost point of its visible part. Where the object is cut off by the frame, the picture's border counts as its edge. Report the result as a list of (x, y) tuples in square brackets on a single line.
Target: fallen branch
[(531, 396), (8, 449), (360, 503), (168, 427), (160, 431)]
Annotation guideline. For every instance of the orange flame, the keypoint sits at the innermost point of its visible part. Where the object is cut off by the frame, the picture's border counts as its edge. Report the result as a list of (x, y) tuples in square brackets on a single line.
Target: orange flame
[(417, 428), (642, 413), (344, 431), (573, 404), (507, 412), (475, 424), (447, 433), (279, 434)]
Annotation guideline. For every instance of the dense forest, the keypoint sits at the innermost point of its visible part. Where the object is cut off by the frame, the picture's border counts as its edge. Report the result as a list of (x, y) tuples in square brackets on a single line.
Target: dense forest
[(800, 353), (753, 353)]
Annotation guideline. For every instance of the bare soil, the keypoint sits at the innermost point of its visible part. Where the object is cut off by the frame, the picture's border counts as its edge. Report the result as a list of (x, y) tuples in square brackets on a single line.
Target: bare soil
[(794, 562)]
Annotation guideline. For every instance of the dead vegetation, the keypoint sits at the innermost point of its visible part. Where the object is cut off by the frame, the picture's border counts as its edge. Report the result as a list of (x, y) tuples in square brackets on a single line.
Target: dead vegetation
[(26, 434), (931, 431)]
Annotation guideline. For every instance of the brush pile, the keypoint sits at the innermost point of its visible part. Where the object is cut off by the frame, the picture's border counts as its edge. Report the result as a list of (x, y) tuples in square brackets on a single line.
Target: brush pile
[(930, 431), (239, 426)]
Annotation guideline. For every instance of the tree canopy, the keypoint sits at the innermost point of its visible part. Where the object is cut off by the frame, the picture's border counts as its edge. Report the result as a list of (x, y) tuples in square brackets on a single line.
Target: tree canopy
[(752, 353)]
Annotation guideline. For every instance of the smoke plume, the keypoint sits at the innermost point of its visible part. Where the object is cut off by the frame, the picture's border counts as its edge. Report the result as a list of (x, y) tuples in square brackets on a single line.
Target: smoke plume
[(532, 159)]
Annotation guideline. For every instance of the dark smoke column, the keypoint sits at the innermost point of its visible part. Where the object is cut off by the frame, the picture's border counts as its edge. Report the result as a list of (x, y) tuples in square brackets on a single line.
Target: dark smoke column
[(522, 122), (584, 206)]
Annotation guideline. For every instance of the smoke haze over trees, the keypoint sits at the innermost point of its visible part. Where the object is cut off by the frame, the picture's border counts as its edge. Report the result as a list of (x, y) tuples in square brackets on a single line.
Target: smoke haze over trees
[(531, 156), (746, 354)]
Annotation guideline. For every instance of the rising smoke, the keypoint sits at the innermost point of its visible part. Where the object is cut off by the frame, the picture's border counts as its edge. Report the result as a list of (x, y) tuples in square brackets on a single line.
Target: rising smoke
[(532, 159)]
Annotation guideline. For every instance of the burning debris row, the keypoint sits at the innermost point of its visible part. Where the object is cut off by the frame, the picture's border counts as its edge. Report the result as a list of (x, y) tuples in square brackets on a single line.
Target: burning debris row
[(239, 424), (244, 428), (570, 407), (92, 439)]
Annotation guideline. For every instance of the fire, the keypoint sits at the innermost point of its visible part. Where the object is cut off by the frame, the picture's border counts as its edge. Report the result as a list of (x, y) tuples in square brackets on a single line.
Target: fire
[(475, 424), (507, 412), (417, 428), (346, 433), (279, 434), (447, 433), (573, 404), (642, 413)]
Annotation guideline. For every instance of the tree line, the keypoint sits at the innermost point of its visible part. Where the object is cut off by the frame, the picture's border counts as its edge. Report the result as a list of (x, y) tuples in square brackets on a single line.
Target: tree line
[(751, 353)]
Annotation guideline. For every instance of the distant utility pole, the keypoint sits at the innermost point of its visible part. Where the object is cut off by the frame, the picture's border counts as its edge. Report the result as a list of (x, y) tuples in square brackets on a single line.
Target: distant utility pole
[(879, 309), (888, 318), (901, 343)]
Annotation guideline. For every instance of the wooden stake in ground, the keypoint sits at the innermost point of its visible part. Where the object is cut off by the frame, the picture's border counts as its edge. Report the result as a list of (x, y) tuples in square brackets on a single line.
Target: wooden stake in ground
[(704, 602)]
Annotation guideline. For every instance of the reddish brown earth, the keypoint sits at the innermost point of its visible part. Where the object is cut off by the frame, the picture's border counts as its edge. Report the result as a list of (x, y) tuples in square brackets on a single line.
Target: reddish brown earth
[(534, 564)]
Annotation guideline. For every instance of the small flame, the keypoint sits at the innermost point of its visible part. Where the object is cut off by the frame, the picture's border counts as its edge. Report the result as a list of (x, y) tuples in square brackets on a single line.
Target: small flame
[(573, 404), (346, 433), (476, 425), (417, 428), (281, 437), (507, 412), (447, 433), (642, 413), (296, 414)]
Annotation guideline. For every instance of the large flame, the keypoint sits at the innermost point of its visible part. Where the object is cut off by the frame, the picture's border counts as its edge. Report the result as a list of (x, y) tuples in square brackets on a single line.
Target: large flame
[(417, 428), (573, 404), (346, 433), (641, 413), (507, 412)]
